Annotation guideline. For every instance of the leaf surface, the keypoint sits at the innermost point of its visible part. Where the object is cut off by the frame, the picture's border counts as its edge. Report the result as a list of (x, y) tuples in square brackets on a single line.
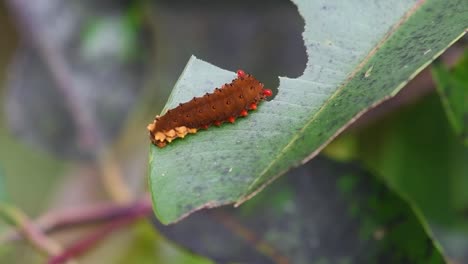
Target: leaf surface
[(359, 53)]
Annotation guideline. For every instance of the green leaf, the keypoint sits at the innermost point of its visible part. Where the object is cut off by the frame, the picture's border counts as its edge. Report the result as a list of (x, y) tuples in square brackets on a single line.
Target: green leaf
[(359, 53), (417, 153), (452, 86)]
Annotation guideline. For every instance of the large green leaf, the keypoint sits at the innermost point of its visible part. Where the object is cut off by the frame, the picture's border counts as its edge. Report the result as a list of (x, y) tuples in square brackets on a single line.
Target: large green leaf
[(359, 52)]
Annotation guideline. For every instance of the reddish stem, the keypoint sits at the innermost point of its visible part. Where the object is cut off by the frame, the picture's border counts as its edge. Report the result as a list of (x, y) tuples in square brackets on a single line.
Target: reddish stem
[(81, 246), (93, 214)]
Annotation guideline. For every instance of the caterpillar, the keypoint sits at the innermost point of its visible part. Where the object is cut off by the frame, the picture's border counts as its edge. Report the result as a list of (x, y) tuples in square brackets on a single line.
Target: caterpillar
[(225, 104)]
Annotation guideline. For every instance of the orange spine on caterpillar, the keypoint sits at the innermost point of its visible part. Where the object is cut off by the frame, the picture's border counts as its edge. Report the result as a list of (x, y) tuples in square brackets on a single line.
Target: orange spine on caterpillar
[(225, 104)]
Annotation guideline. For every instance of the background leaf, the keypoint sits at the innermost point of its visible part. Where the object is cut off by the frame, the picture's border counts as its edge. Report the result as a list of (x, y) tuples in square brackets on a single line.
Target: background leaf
[(418, 154), (453, 89), (352, 47), (323, 212)]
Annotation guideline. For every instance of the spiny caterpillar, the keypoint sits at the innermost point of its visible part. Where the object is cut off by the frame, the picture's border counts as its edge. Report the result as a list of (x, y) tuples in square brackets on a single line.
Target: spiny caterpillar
[(223, 105)]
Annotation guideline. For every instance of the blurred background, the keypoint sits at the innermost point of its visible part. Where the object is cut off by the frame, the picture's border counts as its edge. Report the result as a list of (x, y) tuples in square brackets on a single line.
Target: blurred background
[(83, 78), (80, 80)]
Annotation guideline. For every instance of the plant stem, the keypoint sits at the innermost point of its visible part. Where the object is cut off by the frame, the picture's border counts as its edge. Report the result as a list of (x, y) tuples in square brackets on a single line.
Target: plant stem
[(75, 217), (29, 230), (133, 213)]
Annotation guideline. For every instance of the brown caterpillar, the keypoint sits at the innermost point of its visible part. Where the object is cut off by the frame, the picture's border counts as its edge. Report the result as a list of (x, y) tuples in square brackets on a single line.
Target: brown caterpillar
[(223, 105)]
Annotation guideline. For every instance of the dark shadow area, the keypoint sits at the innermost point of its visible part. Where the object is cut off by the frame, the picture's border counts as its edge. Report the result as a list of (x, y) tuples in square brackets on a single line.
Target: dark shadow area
[(322, 212), (262, 38)]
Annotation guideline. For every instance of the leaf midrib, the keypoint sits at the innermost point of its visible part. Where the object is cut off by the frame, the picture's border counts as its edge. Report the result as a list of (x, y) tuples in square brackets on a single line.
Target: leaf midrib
[(351, 76)]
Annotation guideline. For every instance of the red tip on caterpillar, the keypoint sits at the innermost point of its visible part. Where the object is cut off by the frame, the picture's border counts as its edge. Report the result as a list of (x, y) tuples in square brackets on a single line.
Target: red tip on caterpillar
[(253, 106), (267, 92), (217, 123), (231, 119), (244, 113), (240, 73), (205, 126)]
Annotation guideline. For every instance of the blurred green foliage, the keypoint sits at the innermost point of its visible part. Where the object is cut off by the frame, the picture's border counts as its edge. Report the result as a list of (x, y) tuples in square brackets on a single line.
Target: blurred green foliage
[(417, 153), (452, 85), (149, 247), (117, 36)]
